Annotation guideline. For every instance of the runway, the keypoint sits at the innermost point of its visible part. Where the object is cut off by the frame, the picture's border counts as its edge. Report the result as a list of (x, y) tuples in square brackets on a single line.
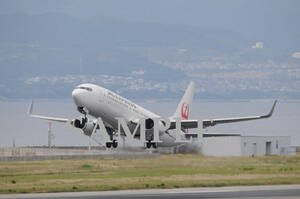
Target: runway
[(257, 192)]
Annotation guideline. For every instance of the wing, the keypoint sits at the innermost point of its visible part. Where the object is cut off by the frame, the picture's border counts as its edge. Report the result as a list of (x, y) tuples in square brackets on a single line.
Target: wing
[(207, 123), (55, 119)]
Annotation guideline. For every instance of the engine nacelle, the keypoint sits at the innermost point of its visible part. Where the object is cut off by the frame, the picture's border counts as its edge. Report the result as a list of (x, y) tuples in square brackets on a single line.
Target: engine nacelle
[(149, 123), (86, 126), (79, 123)]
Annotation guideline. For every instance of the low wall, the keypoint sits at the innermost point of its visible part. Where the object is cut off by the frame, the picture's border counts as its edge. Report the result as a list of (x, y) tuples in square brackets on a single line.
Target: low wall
[(27, 153)]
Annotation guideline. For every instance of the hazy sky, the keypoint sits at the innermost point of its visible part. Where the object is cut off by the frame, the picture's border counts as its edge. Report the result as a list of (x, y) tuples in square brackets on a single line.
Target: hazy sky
[(253, 18), (230, 14)]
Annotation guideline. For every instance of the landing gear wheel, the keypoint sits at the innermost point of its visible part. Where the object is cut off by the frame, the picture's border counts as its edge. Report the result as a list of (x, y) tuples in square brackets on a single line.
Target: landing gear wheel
[(108, 144), (115, 144), (148, 144)]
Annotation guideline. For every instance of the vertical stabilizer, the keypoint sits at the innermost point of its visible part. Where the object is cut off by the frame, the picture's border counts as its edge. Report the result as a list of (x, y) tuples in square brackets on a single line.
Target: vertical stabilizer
[(183, 108)]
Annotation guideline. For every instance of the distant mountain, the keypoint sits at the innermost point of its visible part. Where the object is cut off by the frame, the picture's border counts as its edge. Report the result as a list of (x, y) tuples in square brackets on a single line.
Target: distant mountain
[(46, 55)]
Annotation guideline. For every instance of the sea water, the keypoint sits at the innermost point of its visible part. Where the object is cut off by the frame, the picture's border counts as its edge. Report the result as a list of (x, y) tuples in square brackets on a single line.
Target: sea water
[(17, 127)]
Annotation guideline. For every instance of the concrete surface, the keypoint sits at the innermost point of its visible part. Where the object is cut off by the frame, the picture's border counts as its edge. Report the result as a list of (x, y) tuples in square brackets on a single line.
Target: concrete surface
[(245, 192)]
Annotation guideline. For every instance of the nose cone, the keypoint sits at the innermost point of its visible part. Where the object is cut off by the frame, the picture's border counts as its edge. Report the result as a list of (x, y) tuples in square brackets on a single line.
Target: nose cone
[(77, 96)]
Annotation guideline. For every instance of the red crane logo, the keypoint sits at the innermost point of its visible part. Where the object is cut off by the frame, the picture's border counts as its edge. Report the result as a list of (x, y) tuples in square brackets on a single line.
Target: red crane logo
[(185, 111)]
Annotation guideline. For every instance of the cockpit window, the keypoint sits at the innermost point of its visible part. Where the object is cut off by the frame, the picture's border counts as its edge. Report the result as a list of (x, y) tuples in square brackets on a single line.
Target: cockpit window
[(85, 88)]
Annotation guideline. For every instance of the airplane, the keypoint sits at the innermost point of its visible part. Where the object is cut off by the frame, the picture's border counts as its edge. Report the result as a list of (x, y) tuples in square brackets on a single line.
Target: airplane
[(99, 102)]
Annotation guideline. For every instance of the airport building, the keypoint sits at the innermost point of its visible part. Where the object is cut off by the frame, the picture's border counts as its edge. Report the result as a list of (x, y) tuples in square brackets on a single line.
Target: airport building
[(238, 145)]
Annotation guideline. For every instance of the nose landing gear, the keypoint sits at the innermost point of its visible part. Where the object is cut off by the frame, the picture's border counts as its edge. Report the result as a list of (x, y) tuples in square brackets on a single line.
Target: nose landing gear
[(83, 110)]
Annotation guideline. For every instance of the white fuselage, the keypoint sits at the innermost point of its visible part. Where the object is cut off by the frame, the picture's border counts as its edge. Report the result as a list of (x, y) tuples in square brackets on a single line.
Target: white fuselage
[(107, 105)]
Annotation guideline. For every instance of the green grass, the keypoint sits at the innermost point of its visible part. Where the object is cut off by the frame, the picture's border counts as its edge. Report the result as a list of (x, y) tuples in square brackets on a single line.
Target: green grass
[(168, 171), (86, 166)]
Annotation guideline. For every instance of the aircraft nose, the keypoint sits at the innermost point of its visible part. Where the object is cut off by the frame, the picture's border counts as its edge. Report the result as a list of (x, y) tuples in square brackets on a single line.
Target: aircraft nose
[(77, 96), (74, 93)]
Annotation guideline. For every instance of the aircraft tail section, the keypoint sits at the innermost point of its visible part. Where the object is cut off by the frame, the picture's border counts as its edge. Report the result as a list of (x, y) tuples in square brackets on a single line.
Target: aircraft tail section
[(183, 108)]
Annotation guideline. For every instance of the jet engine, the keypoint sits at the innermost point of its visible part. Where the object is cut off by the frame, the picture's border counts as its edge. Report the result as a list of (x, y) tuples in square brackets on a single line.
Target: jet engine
[(86, 126), (149, 123)]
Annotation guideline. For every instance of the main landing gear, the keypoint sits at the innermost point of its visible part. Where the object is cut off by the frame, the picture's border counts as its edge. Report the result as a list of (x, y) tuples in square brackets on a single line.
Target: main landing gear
[(150, 144), (113, 144)]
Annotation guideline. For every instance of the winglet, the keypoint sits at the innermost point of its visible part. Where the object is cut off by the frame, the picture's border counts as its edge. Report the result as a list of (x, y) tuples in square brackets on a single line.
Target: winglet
[(271, 111), (30, 107)]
